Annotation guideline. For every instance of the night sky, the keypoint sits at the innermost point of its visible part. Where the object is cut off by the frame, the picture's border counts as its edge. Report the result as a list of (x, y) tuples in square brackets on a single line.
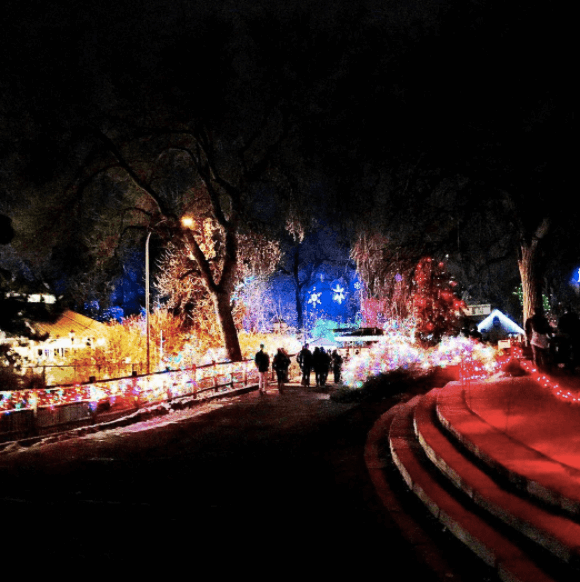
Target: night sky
[(363, 93)]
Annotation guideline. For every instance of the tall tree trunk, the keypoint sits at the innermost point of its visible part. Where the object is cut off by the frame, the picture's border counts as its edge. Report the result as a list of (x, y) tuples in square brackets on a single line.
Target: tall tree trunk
[(223, 310), (531, 289), (221, 293), (298, 291), (527, 263)]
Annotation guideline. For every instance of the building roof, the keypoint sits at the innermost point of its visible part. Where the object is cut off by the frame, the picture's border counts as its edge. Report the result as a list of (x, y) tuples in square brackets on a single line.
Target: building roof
[(322, 342), (505, 321), (363, 334), (69, 321)]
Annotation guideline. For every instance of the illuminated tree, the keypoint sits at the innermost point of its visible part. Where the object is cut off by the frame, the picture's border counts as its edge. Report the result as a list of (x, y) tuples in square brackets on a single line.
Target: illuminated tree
[(410, 210), (218, 186), (131, 139), (122, 348), (385, 280), (436, 308), (314, 269), (183, 292)]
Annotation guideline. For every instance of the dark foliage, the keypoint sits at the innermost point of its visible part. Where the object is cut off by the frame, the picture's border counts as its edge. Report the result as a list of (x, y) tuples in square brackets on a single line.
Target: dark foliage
[(476, 88), (16, 313), (6, 230)]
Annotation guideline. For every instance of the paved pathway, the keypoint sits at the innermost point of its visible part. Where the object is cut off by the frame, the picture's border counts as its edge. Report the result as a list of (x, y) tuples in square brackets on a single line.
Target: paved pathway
[(534, 415), (274, 481)]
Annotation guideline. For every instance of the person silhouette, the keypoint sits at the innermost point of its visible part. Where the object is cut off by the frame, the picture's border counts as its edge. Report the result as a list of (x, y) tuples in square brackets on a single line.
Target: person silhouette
[(281, 364), (304, 360), (336, 365), (538, 333), (262, 361)]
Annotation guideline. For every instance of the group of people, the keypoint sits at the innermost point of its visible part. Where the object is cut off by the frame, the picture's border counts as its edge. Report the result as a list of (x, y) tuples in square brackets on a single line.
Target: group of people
[(319, 361), (550, 344), (560, 345), (280, 365)]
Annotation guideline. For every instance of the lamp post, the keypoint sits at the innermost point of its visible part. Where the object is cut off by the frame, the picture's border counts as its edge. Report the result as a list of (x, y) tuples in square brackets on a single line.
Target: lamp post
[(147, 301), (147, 322)]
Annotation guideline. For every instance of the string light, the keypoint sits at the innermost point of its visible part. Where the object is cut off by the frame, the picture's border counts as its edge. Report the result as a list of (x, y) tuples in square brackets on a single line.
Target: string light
[(549, 384), (145, 389), (396, 350)]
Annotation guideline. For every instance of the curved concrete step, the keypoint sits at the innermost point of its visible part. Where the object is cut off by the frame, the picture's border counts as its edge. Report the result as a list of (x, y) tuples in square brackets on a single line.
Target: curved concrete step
[(412, 527), (555, 533), (527, 469), (498, 551)]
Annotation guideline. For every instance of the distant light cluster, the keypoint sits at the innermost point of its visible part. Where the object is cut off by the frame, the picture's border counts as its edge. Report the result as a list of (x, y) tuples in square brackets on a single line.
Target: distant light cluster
[(397, 351), (394, 351)]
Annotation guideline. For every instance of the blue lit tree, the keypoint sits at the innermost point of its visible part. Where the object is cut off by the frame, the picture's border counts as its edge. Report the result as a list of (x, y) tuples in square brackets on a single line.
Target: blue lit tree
[(321, 274)]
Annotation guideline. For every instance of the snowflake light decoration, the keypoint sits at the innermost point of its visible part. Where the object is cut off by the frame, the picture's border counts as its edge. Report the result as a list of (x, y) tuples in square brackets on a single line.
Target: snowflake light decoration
[(314, 298), (339, 294)]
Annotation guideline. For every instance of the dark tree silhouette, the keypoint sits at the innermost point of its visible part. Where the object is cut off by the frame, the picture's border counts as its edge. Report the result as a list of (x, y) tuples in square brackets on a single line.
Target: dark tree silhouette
[(6, 230)]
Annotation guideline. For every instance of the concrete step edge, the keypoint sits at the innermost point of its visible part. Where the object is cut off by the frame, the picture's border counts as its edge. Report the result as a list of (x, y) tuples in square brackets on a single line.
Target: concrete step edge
[(483, 540), (451, 409), (555, 533)]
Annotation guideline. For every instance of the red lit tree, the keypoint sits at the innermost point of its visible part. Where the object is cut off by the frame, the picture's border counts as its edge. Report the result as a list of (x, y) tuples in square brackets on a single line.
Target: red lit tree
[(435, 305)]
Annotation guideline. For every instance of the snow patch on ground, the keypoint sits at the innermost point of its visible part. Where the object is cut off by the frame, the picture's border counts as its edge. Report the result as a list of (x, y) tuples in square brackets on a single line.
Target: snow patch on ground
[(129, 424), (172, 417)]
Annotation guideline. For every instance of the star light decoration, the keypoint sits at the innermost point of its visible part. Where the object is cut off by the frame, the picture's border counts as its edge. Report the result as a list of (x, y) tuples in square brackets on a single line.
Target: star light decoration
[(339, 294)]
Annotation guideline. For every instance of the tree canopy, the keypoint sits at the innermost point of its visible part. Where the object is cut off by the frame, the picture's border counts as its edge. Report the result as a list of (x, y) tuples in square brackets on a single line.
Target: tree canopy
[(412, 120)]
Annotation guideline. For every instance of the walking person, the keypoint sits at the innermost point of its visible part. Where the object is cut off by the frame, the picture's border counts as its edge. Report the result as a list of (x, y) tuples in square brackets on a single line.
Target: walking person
[(569, 328), (304, 360), (316, 364), (538, 332), (325, 362), (336, 366), (262, 361), (281, 363), (321, 364)]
